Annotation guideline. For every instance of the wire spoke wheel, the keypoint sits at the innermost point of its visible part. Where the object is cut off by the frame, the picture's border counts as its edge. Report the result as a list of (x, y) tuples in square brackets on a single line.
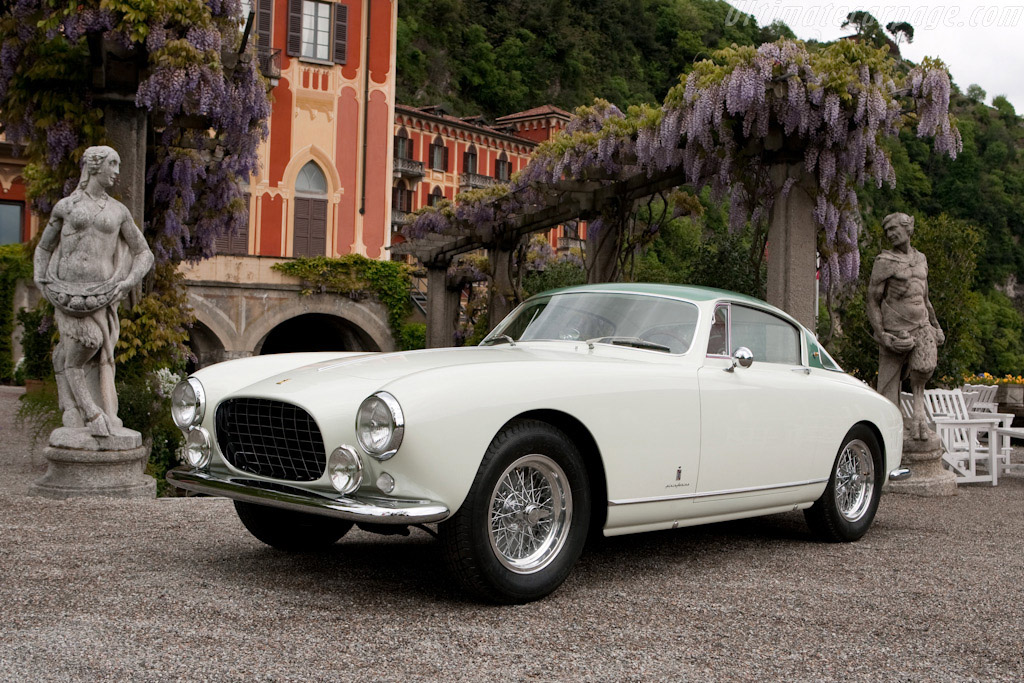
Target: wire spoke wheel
[(530, 514), (854, 480)]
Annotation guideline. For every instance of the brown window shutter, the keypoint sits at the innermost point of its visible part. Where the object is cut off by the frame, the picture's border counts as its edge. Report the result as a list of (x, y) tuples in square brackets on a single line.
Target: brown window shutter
[(294, 28), (301, 242), (340, 33), (318, 228), (264, 22), (445, 148)]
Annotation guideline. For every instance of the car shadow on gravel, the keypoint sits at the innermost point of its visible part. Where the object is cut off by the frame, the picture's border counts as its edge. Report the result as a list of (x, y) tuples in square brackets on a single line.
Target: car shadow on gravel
[(411, 568)]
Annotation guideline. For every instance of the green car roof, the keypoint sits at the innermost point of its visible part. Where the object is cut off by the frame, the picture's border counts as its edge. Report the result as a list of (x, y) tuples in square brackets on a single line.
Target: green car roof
[(692, 292)]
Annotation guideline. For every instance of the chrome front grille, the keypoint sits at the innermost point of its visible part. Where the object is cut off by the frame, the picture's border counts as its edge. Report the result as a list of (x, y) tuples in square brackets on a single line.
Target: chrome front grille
[(271, 439)]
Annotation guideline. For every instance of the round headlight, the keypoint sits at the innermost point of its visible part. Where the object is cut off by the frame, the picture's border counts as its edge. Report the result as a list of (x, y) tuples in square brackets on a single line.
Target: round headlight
[(345, 469), (197, 448), (380, 425), (188, 403)]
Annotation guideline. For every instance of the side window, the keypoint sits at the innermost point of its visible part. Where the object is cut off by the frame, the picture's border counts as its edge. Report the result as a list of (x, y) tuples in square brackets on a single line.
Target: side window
[(718, 344), (771, 339)]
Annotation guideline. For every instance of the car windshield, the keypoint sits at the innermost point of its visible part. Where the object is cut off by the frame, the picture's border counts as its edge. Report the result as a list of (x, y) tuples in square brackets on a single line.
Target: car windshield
[(646, 322)]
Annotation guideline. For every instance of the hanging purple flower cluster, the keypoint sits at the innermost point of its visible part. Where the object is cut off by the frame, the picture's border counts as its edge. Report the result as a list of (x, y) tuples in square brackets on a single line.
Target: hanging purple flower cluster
[(730, 122), (210, 119)]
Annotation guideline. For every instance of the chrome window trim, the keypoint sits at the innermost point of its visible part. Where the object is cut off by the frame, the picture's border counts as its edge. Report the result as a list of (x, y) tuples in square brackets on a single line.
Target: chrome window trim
[(708, 494)]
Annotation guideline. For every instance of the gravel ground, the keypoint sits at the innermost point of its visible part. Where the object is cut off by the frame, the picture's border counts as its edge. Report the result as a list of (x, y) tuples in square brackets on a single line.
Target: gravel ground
[(176, 589)]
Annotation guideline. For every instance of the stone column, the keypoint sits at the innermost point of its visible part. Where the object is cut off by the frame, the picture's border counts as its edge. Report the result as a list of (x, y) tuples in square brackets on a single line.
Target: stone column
[(502, 294), (126, 129), (792, 248), (442, 307)]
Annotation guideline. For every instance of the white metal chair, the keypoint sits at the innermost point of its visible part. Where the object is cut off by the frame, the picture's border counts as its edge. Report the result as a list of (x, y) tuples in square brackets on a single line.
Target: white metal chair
[(962, 433)]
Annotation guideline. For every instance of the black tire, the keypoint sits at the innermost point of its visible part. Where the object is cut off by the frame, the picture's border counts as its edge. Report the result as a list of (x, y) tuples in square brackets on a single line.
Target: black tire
[(531, 460), (847, 507), (290, 531)]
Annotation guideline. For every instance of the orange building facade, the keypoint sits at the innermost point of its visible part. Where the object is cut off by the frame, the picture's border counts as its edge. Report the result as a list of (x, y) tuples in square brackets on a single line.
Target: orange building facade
[(437, 156), (324, 181)]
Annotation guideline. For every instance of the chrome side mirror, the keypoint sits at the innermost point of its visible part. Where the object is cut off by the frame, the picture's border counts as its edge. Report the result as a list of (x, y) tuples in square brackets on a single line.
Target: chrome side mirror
[(741, 356)]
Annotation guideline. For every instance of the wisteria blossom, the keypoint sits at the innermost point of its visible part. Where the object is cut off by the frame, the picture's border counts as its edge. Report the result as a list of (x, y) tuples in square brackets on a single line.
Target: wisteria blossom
[(210, 119), (728, 122)]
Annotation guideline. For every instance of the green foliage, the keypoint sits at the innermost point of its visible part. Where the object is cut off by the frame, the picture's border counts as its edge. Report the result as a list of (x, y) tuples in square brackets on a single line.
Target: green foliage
[(154, 331), (14, 265), (145, 407), (1001, 327), (495, 58), (37, 340), (413, 336), (357, 276), (559, 274)]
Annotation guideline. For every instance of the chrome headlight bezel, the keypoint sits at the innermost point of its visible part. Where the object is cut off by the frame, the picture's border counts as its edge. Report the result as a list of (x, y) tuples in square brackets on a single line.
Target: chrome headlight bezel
[(198, 449), (195, 410), (380, 403)]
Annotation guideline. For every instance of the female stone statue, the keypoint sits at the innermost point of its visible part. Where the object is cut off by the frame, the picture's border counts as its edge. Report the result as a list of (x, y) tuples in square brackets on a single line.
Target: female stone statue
[(90, 256)]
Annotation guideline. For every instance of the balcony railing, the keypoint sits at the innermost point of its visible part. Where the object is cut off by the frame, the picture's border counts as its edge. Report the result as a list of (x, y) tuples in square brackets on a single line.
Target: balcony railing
[(475, 181), (408, 168), (269, 60), (398, 218)]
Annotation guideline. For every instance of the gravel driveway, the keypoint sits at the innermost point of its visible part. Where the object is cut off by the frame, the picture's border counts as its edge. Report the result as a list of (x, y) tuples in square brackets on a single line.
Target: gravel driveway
[(175, 589)]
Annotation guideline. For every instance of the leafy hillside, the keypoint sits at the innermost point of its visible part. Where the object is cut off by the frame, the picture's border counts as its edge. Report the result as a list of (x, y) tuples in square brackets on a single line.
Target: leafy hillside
[(495, 57)]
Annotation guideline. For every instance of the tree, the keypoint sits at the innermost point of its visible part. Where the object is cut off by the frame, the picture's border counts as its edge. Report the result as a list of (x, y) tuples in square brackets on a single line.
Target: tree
[(866, 25), (900, 30), (976, 93)]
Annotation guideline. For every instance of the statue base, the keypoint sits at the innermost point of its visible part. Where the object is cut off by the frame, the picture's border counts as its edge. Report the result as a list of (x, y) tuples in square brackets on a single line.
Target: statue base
[(923, 457), (83, 465)]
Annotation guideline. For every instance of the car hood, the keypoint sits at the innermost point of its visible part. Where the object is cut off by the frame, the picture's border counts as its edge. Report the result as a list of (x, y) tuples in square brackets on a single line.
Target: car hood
[(367, 373)]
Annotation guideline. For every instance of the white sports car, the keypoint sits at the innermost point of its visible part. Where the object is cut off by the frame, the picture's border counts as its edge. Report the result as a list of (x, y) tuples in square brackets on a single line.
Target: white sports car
[(612, 409)]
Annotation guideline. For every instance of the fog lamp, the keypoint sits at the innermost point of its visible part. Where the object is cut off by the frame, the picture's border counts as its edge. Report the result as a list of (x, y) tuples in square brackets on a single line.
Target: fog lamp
[(197, 448), (345, 469)]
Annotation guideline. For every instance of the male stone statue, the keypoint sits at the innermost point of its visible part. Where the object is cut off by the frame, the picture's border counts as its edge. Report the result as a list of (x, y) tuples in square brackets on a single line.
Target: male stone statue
[(903, 319), (90, 256)]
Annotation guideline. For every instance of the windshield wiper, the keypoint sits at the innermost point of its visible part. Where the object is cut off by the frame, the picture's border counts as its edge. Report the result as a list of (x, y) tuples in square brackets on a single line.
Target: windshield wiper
[(500, 339), (635, 342)]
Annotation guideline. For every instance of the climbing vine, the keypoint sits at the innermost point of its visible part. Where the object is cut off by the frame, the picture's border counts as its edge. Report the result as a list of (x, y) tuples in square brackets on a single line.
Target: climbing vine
[(358, 277)]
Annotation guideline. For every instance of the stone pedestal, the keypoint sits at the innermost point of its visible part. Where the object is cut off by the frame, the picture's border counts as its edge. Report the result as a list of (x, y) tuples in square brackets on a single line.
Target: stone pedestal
[(81, 465), (923, 457)]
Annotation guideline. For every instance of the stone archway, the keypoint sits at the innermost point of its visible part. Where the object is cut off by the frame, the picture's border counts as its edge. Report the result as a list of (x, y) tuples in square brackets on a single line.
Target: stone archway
[(365, 322), (315, 332), (206, 347)]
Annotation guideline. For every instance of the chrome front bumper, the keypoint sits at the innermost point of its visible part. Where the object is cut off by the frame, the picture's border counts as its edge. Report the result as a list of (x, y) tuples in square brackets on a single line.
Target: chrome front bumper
[(355, 508)]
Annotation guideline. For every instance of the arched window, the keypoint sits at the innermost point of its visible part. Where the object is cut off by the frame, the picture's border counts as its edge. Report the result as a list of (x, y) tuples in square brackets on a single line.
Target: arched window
[(502, 168), (439, 155), (401, 197), (403, 145), (311, 180), (310, 224), (436, 196), (469, 160)]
